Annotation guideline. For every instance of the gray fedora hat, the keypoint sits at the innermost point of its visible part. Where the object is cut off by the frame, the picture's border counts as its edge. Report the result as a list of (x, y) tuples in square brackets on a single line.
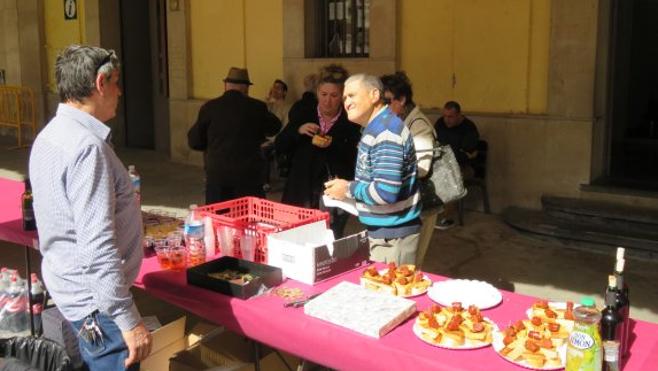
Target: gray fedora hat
[(238, 76)]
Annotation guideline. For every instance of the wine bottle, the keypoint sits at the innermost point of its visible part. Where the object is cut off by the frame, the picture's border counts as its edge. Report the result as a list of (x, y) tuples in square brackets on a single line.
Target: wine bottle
[(623, 301), (611, 319)]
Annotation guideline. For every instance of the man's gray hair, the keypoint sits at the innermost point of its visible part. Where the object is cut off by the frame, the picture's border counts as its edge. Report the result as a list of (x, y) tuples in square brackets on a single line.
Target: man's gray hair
[(76, 69), (369, 82)]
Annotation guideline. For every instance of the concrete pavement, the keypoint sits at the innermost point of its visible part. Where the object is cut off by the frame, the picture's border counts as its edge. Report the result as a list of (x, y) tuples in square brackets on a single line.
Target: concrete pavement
[(484, 248)]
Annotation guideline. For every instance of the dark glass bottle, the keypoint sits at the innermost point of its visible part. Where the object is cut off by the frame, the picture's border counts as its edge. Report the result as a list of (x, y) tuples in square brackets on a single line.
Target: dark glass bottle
[(29, 223), (611, 319), (622, 300)]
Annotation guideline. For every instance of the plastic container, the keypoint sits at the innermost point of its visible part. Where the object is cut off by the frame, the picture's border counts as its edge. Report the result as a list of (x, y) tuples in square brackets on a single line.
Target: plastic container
[(194, 238), (264, 277), (258, 217), (584, 349), (136, 181)]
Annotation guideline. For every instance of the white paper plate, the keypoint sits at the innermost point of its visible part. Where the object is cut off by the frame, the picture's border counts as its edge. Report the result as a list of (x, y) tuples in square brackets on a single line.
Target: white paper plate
[(417, 329), (498, 346), (468, 292)]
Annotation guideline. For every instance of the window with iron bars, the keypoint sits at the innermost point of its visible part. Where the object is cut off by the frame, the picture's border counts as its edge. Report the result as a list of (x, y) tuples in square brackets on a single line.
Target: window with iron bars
[(337, 28)]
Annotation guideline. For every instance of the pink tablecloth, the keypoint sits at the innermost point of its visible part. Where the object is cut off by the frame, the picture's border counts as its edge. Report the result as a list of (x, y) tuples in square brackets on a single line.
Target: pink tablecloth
[(265, 319), (11, 219)]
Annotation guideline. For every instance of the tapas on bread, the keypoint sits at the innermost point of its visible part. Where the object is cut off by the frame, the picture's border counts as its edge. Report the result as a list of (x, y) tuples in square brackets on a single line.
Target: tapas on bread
[(321, 140), (403, 280), (533, 343), (454, 327), (553, 312)]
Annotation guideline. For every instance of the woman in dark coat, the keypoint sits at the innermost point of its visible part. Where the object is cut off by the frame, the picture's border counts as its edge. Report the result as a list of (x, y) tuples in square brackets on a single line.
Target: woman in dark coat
[(313, 164)]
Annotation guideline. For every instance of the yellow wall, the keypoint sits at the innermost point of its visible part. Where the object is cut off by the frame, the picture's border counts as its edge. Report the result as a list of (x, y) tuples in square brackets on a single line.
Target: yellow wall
[(60, 33), (240, 33), (489, 56)]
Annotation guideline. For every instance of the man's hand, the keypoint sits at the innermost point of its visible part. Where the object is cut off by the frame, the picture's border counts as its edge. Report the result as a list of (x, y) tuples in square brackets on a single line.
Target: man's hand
[(139, 343), (309, 128), (336, 188)]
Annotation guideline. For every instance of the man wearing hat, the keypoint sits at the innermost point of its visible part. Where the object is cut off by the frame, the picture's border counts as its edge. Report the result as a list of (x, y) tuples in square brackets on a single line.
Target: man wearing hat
[(230, 130)]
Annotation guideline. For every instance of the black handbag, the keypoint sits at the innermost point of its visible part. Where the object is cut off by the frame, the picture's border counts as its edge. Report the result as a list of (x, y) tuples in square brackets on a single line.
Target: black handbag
[(444, 183)]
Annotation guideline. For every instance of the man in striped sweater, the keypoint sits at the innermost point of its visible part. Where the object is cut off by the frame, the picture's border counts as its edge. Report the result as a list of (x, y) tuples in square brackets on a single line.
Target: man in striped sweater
[(384, 187)]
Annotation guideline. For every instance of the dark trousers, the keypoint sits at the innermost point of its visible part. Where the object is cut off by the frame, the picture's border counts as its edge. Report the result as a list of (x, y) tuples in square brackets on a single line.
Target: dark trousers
[(217, 193)]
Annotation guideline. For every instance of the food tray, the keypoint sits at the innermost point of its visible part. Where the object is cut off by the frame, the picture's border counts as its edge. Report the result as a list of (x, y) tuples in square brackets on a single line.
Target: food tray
[(265, 277)]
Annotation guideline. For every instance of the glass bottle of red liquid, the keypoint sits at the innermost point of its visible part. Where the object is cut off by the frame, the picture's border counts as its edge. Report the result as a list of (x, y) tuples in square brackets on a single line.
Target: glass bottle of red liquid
[(29, 223), (622, 302), (611, 328)]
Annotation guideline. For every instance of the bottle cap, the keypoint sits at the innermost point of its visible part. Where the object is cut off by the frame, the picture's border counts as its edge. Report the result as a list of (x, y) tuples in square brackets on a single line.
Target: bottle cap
[(612, 281), (587, 301), (620, 252), (619, 267), (131, 167)]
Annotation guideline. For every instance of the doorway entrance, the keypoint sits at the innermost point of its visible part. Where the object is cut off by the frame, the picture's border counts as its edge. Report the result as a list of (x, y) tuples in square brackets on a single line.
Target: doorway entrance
[(633, 95), (145, 77)]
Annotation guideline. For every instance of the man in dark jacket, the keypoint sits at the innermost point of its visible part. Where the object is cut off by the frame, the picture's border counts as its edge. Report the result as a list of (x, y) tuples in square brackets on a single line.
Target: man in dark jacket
[(462, 135), (230, 130)]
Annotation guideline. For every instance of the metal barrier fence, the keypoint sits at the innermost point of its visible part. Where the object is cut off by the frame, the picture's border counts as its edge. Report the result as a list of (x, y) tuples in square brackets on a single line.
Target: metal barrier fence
[(17, 110)]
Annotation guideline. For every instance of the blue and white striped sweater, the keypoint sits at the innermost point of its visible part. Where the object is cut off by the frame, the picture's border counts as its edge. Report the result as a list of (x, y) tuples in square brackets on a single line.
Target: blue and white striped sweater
[(385, 185)]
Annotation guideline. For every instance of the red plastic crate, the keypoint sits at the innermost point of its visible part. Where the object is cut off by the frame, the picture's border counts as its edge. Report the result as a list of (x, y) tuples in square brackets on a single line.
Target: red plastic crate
[(260, 217)]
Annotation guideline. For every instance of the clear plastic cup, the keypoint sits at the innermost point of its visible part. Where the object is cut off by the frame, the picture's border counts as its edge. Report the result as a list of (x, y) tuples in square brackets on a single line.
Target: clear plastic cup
[(178, 257), (248, 246), (225, 237), (175, 238), (162, 252)]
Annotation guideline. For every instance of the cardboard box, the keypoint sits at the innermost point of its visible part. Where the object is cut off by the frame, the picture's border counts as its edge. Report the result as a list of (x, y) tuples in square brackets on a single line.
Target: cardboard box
[(167, 341), (351, 306), (227, 351), (310, 254), (201, 331)]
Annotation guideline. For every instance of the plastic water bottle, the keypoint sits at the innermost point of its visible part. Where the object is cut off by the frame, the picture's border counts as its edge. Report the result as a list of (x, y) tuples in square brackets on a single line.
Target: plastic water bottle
[(136, 181), (584, 351), (194, 238)]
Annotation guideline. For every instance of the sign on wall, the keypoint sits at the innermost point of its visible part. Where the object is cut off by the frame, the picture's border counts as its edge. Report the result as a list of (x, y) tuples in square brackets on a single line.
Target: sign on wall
[(70, 9)]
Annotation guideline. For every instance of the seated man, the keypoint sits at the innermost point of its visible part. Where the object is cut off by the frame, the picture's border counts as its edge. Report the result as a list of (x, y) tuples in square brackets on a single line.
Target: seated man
[(456, 130)]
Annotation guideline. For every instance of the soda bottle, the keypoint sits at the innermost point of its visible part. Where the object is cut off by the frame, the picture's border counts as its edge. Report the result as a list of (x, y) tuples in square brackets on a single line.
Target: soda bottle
[(194, 235), (136, 181), (29, 223), (584, 351), (37, 292), (14, 313)]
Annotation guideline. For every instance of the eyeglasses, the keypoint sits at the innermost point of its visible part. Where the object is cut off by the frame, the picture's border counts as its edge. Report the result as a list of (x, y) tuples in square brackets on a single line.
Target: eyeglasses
[(104, 62)]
